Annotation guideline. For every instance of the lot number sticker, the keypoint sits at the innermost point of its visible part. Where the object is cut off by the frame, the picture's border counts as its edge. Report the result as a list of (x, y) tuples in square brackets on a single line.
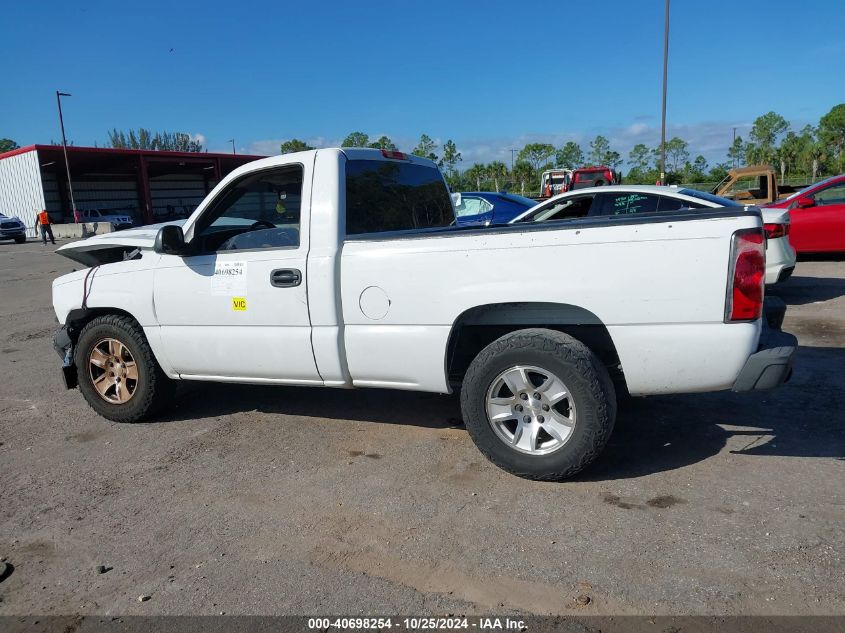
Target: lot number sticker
[(229, 279)]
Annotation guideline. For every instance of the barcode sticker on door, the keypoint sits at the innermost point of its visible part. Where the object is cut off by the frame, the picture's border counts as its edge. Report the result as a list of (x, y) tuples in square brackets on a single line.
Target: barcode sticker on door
[(229, 279)]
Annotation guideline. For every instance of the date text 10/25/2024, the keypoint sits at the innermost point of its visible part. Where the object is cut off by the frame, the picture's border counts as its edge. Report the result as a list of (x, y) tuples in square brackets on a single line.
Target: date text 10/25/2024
[(417, 624)]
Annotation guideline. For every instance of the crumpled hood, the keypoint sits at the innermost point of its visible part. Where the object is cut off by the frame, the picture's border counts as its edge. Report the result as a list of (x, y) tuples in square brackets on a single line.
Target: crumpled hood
[(109, 247)]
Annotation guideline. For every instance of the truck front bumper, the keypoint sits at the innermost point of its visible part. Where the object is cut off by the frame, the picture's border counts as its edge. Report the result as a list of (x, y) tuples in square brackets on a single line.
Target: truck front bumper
[(771, 365), (63, 344)]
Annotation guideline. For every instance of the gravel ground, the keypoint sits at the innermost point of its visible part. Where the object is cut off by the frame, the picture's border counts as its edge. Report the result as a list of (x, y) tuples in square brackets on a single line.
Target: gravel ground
[(270, 500)]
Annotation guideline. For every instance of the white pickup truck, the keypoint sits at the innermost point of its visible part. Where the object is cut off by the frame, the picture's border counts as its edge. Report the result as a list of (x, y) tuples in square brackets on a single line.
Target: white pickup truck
[(341, 268)]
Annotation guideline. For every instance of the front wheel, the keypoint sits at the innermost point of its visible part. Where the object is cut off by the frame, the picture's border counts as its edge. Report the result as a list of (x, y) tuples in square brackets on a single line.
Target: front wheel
[(117, 372), (539, 404), (20, 239)]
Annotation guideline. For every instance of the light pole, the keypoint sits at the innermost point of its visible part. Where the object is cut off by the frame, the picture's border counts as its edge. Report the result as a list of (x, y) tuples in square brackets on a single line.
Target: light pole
[(732, 146), (663, 116), (512, 153), (232, 141), (59, 96)]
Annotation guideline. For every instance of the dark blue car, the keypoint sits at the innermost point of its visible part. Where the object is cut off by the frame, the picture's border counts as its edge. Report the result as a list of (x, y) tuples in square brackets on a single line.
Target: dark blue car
[(488, 207)]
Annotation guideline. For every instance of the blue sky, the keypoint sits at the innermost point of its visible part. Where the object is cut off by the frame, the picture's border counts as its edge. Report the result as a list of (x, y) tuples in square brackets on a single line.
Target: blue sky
[(491, 75)]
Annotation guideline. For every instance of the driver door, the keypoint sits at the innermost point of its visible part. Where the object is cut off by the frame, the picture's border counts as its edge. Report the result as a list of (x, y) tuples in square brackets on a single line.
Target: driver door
[(237, 308), (820, 228)]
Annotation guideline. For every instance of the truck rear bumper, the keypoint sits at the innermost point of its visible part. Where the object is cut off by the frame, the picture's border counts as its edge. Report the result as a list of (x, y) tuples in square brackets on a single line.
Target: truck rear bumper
[(771, 365)]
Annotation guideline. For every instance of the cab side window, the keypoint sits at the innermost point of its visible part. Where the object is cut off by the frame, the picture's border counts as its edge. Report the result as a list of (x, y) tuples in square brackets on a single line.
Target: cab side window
[(626, 203), (674, 204), (566, 209), (472, 206), (258, 211), (831, 195)]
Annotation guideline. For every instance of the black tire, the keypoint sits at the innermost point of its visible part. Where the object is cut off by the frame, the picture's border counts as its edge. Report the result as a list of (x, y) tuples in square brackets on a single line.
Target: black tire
[(20, 239), (598, 183), (153, 389), (583, 374)]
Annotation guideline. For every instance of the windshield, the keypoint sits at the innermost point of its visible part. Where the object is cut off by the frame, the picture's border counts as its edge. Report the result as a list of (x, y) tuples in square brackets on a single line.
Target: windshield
[(702, 195)]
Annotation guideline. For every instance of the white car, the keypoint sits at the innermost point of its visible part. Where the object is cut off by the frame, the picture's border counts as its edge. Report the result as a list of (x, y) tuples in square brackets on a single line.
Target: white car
[(622, 200), (340, 268), (120, 221)]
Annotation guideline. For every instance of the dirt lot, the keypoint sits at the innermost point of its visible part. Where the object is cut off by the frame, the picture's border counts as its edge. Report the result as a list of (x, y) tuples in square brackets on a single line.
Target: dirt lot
[(267, 500)]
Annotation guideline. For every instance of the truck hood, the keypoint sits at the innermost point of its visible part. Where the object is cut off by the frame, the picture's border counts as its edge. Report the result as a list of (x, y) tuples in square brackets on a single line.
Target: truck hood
[(111, 247)]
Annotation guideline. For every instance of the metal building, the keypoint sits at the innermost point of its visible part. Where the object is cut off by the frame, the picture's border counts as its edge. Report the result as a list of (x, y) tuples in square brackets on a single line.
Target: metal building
[(150, 186)]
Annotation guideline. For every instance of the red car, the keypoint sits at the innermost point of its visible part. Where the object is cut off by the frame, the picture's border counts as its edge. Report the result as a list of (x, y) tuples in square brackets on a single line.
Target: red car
[(593, 177), (817, 216)]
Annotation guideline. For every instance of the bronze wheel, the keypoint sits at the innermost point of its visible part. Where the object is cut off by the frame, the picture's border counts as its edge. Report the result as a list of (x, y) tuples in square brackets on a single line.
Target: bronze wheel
[(113, 371), (118, 372)]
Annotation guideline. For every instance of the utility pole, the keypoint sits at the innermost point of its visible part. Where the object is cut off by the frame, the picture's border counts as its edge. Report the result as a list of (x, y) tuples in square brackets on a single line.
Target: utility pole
[(232, 141), (732, 146), (59, 96), (663, 116), (512, 153)]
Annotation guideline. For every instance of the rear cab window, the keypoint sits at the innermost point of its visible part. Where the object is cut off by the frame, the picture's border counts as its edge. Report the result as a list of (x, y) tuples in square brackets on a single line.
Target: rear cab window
[(394, 195)]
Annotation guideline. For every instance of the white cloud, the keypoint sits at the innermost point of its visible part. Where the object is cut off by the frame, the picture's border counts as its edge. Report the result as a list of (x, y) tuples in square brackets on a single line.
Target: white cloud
[(270, 147)]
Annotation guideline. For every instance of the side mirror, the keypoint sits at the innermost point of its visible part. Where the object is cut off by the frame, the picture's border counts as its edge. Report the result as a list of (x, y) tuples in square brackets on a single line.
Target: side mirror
[(170, 241), (803, 203)]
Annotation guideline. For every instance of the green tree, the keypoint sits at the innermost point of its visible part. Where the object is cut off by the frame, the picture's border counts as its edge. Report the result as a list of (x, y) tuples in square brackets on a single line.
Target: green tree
[(451, 157), (536, 154), (497, 171), (477, 174), (356, 139), (523, 173), (736, 152), (570, 156), (599, 149), (832, 132), (676, 154), (294, 145), (695, 171), (817, 154), (719, 171), (613, 160), (810, 151), (639, 158), (7, 145), (425, 148), (764, 134), (142, 138), (384, 142), (789, 153)]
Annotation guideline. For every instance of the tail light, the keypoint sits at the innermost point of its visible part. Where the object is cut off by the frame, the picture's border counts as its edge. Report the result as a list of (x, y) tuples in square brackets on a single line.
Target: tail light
[(746, 277), (387, 153), (774, 231)]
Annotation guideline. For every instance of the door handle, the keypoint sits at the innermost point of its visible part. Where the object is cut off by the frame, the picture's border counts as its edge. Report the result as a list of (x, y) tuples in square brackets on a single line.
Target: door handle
[(285, 277)]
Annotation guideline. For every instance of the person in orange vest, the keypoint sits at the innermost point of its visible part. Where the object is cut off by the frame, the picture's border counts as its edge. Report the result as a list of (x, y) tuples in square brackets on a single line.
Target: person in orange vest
[(42, 220)]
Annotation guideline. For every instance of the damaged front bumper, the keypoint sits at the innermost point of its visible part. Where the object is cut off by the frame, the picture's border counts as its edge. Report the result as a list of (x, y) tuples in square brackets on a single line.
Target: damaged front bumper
[(63, 344)]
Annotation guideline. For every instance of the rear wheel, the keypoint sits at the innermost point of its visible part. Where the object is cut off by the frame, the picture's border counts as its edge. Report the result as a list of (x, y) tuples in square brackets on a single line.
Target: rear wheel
[(539, 404), (117, 372)]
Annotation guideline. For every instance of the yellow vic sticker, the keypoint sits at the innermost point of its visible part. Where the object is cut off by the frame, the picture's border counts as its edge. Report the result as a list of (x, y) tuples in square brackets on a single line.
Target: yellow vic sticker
[(239, 304)]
